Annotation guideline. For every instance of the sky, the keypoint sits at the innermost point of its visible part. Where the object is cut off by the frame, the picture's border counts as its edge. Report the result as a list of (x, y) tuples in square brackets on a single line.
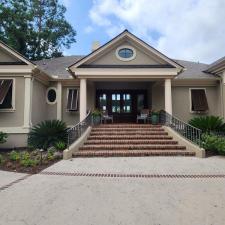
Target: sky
[(181, 29)]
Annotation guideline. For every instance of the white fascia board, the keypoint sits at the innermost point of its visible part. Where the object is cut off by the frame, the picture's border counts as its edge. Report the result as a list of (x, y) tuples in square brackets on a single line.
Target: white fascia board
[(136, 73)]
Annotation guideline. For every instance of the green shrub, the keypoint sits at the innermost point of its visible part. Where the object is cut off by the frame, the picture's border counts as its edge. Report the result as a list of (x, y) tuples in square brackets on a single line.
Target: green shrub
[(14, 156), (214, 143), (28, 162), (25, 156), (96, 113), (3, 137), (208, 123), (47, 133), (60, 145)]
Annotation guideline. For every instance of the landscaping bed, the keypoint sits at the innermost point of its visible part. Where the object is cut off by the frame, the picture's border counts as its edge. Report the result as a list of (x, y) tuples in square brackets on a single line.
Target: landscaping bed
[(28, 161)]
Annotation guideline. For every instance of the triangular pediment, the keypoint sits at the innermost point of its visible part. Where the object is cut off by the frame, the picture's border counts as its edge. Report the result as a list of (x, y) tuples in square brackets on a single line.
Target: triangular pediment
[(9, 56), (145, 55)]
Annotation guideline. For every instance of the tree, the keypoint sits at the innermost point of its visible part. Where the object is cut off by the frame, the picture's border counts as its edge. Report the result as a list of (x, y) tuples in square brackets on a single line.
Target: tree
[(35, 28)]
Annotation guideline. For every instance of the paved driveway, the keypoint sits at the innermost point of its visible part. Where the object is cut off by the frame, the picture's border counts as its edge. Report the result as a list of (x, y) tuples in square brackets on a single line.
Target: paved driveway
[(148, 191)]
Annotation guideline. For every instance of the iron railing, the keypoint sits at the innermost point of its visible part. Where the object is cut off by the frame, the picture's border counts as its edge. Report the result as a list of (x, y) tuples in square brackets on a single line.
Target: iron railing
[(189, 132), (75, 132)]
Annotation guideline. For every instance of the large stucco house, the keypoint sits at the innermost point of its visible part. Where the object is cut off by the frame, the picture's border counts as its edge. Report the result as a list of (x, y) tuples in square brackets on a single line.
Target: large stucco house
[(122, 76)]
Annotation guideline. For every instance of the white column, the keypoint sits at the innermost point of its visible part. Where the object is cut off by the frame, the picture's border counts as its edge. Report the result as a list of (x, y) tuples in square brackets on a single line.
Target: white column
[(59, 101), (223, 96), (27, 102), (83, 98), (168, 96)]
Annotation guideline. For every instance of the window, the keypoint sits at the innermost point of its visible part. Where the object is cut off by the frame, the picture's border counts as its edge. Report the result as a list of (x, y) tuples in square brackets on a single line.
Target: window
[(125, 53), (103, 102), (72, 99), (127, 103), (6, 94), (199, 101), (51, 95), (116, 103)]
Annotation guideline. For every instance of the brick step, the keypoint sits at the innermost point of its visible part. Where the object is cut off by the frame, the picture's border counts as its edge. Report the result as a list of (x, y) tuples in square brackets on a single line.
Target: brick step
[(128, 125), (100, 133), (103, 129), (129, 137), (132, 153), (117, 147), (133, 141)]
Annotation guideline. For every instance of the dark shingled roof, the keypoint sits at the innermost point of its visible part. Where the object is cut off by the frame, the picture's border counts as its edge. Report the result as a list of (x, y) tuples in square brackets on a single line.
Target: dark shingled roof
[(217, 66), (217, 62), (57, 67), (194, 70)]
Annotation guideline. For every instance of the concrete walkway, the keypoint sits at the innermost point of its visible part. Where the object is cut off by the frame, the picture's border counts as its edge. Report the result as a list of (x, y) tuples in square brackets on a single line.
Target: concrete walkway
[(7, 178), (84, 200)]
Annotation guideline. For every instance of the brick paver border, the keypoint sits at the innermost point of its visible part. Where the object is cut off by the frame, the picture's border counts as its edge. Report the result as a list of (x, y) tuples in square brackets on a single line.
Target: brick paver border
[(118, 175), (14, 182)]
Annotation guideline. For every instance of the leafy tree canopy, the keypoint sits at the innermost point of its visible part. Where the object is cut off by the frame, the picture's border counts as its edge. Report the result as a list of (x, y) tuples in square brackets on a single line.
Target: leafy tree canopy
[(35, 28)]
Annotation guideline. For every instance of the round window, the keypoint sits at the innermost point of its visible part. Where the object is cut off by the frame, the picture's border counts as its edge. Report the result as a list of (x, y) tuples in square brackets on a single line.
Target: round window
[(51, 96), (125, 53)]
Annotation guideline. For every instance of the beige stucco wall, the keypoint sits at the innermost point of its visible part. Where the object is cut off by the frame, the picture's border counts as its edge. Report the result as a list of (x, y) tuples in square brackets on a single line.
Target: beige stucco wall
[(109, 58), (52, 109), (39, 104), (15, 118), (6, 57), (15, 141), (181, 101), (158, 98)]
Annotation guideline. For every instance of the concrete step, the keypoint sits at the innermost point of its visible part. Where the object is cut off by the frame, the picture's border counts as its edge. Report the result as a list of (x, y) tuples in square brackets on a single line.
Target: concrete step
[(131, 132), (129, 137), (127, 147), (132, 141), (128, 125), (132, 153), (118, 129)]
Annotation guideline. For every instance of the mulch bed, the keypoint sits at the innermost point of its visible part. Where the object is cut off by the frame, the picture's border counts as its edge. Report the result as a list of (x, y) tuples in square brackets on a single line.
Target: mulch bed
[(15, 166), (210, 153)]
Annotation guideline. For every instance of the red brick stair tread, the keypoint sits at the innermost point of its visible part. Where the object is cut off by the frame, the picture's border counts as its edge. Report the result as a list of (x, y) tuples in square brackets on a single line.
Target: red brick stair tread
[(132, 153), (133, 141)]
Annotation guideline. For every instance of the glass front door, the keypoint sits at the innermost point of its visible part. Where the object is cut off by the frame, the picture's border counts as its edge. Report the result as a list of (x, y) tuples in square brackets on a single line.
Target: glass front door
[(124, 105)]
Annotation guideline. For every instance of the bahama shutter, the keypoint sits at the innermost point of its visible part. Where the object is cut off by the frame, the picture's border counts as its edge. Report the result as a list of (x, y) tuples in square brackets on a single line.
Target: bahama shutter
[(4, 89), (72, 100), (199, 100)]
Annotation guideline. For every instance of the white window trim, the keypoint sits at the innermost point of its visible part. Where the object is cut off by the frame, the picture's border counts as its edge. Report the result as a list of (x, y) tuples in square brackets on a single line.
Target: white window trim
[(126, 59), (67, 95), (13, 109), (190, 101), (56, 99)]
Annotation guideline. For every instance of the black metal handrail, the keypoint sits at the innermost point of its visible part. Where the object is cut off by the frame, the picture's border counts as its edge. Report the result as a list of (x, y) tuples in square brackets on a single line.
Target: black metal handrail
[(189, 132), (75, 132)]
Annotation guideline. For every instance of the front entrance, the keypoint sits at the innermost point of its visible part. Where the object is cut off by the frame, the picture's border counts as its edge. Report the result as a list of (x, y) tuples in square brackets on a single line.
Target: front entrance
[(124, 105)]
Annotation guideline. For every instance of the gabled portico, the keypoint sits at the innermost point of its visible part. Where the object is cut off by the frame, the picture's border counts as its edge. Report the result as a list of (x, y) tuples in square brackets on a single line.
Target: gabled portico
[(106, 64)]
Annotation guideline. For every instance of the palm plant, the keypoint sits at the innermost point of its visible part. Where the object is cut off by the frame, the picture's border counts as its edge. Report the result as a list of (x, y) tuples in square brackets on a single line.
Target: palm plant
[(47, 133), (208, 123), (3, 137)]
